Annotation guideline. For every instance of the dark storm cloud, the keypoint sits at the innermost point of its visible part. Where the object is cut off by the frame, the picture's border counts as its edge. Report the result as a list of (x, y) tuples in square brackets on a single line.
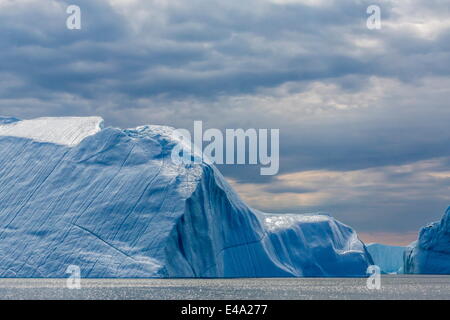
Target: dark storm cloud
[(200, 48)]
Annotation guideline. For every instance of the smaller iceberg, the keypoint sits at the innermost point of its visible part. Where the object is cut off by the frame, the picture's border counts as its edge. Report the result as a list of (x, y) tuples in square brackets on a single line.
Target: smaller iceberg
[(430, 254), (388, 258)]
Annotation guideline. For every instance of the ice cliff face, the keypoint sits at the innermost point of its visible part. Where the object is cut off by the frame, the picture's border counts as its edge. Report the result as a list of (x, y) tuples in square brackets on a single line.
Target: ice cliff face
[(112, 202), (388, 258), (430, 254)]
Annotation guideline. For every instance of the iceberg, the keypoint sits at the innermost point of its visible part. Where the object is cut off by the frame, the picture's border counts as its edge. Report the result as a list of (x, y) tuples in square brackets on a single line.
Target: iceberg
[(388, 258), (430, 254), (111, 201)]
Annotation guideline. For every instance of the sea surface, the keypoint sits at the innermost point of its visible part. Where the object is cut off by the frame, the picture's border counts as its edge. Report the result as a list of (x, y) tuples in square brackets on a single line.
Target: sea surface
[(392, 287)]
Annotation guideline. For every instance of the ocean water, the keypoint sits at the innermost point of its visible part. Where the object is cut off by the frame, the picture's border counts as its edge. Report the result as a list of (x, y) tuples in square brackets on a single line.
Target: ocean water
[(392, 287)]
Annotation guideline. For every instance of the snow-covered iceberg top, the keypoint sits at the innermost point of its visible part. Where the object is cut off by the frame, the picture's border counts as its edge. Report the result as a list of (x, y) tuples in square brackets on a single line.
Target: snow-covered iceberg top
[(68, 131), (112, 202)]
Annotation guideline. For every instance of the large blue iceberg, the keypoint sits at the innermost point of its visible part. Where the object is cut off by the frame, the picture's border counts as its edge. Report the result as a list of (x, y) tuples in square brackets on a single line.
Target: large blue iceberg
[(388, 258), (430, 254), (112, 202)]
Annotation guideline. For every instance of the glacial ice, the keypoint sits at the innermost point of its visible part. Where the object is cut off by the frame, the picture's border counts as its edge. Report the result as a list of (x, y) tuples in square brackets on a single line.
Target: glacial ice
[(388, 258), (67, 131), (112, 202), (430, 254)]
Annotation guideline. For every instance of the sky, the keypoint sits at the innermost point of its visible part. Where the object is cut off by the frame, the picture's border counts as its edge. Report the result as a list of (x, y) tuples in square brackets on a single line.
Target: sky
[(363, 114)]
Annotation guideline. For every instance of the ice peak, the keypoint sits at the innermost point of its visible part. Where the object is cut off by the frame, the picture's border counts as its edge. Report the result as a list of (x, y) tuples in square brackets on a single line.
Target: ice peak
[(68, 131)]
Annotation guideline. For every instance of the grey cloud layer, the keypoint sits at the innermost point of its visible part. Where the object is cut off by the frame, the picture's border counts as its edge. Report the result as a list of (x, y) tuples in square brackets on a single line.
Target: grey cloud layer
[(204, 48)]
